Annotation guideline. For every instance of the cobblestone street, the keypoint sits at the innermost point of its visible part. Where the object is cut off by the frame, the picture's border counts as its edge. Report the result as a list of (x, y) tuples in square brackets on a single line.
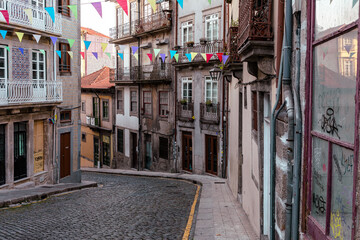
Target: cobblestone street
[(122, 207)]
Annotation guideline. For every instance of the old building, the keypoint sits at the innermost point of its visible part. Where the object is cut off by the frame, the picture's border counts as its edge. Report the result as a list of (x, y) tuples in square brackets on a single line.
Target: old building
[(97, 118), (39, 99)]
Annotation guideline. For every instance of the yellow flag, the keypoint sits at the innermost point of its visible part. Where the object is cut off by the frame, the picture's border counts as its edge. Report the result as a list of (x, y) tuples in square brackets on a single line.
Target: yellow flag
[(136, 56), (29, 13), (204, 56), (71, 54), (20, 35), (153, 4), (193, 55), (104, 46)]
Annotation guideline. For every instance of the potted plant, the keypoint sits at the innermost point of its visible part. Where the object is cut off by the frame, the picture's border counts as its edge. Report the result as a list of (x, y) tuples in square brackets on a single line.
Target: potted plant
[(183, 102), (208, 103), (177, 47), (203, 41), (190, 44)]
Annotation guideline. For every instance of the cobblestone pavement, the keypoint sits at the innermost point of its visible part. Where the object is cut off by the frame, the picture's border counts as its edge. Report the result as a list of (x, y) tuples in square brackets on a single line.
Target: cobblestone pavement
[(123, 207)]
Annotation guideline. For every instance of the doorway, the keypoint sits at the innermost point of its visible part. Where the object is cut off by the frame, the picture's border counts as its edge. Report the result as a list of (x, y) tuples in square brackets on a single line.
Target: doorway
[(148, 155), (133, 147), (20, 155), (96, 151), (65, 151), (211, 154), (266, 164), (187, 151)]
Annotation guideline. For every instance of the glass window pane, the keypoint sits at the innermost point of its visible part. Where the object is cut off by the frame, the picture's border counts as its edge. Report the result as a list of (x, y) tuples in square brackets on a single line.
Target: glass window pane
[(2, 52), (41, 57), (342, 192), (41, 66), (334, 92), (319, 180), (337, 14), (2, 73), (34, 75), (34, 56), (2, 62)]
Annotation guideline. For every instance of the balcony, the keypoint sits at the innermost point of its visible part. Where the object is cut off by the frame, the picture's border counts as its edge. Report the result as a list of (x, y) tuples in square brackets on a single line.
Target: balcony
[(92, 121), (255, 33), (210, 113), (212, 47), (157, 22), (185, 112), (29, 92), (123, 33), (154, 73), (232, 46), (41, 19)]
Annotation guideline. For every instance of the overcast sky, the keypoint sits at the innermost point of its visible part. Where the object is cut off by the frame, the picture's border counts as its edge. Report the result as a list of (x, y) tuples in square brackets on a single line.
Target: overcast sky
[(91, 19)]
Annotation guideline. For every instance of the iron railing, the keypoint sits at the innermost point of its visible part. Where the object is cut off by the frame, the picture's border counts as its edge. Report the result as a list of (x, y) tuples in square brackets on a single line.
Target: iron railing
[(185, 111), (41, 19), (28, 91), (254, 20), (212, 47), (232, 45), (153, 22), (123, 30), (210, 113), (153, 72)]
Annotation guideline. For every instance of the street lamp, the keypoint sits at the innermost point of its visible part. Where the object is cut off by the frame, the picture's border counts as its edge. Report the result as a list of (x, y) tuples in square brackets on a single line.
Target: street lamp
[(215, 73)]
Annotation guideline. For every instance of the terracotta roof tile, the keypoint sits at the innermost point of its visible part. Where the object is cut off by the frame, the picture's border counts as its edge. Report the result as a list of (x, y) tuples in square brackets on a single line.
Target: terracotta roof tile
[(93, 32), (99, 79)]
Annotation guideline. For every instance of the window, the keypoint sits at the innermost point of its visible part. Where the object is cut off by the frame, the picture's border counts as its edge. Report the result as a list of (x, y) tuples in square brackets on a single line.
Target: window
[(120, 140), (65, 116), (163, 148), (164, 104), (147, 102), (133, 102), (211, 90), (38, 69), (147, 12), (133, 11), (186, 93), (63, 7), (187, 32), (120, 101), (348, 68), (83, 137), (254, 110), (212, 27), (105, 106), (39, 4), (2, 155), (245, 97), (83, 106), (3, 66), (165, 5), (64, 61)]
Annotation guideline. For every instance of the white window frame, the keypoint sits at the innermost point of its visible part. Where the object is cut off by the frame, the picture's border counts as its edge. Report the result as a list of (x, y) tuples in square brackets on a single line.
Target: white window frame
[(37, 81), (212, 19), (185, 86), (147, 10), (348, 64), (189, 26), (166, 111), (165, 5), (133, 11), (213, 99), (3, 80)]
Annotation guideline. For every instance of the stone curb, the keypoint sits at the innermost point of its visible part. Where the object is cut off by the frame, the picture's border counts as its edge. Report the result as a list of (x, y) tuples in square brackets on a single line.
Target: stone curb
[(41, 196)]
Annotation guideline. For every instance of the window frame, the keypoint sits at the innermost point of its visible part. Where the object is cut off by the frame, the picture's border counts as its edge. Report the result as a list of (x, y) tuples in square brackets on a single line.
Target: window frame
[(83, 106), (118, 142), (132, 112), (120, 102), (208, 79), (38, 82), (186, 81), (61, 4), (6, 66), (65, 58), (145, 103), (189, 26), (62, 113), (107, 112), (162, 104), (208, 19)]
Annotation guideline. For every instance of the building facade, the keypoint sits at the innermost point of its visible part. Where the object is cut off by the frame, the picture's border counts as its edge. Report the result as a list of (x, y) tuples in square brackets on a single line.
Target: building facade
[(36, 97)]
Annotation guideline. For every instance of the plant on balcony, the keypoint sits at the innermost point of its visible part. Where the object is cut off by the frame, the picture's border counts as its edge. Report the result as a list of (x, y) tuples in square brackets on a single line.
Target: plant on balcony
[(228, 1), (203, 41), (234, 23), (177, 47), (209, 103), (190, 44), (183, 102)]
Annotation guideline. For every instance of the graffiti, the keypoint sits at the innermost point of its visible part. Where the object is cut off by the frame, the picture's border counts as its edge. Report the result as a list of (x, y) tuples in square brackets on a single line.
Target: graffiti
[(328, 123), (337, 168), (319, 204), (318, 182), (347, 163), (336, 227)]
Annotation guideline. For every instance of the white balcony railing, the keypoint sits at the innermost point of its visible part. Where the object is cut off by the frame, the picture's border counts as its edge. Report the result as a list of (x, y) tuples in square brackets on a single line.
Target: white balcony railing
[(41, 19), (25, 91)]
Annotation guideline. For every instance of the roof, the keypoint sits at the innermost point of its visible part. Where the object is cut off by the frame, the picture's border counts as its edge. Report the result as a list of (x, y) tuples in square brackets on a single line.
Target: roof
[(99, 79), (331, 79), (93, 32)]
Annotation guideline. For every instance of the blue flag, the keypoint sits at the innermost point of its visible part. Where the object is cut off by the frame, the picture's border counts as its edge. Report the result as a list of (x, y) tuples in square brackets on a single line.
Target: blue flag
[(21, 50), (188, 56), (121, 55), (54, 39), (172, 53), (181, 3), (58, 53), (51, 12), (3, 33), (87, 44)]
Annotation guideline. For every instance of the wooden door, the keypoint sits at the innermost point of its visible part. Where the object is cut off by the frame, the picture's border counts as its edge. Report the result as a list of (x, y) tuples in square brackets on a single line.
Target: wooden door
[(134, 160), (187, 151), (65, 150), (211, 154)]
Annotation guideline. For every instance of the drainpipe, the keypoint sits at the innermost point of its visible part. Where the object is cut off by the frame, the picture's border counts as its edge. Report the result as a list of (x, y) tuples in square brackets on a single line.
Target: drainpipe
[(175, 87), (139, 98), (298, 137)]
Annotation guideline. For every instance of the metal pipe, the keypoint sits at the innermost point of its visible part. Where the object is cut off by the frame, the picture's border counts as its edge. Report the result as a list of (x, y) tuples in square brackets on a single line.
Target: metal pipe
[(298, 138), (139, 99)]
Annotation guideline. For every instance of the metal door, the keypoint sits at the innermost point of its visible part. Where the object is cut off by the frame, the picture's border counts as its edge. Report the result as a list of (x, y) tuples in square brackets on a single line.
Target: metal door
[(266, 183), (211, 154), (187, 151), (65, 151), (20, 154)]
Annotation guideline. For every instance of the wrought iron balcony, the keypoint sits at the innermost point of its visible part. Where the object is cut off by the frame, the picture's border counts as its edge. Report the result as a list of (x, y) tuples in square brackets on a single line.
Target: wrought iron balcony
[(232, 46), (185, 111), (210, 113), (123, 32), (156, 22), (212, 47), (30, 92), (41, 19), (145, 73)]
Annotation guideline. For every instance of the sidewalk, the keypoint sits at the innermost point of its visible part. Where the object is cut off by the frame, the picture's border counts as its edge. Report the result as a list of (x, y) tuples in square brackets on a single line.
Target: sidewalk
[(219, 215), (15, 196)]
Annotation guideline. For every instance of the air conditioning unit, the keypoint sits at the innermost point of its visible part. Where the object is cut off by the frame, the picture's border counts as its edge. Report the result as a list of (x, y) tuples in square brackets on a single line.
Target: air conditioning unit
[(88, 120), (93, 121)]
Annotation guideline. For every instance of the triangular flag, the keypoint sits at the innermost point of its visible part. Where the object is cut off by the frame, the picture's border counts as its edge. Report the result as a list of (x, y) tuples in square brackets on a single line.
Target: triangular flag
[(3, 33), (188, 56), (97, 6), (54, 39), (108, 54), (172, 53), (123, 4), (42, 51), (21, 50), (153, 5), (87, 44), (37, 37), (5, 13), (352, 54), (82, 54), (210, 2), (181, 3), (51, 12), (220, 56), (162, 55), (176, 56), (225, 58), (134, 49), (104, 46), (121, 55), (7, 47), (136, 56), (193, 55), (29, 14), (73, 8), (20, 35), (71, 54), (347, 48), (156, 51), (71, 42), (354, 2), (150, 56), (95, 54), (208, 57), (58, 53), (204, 56)]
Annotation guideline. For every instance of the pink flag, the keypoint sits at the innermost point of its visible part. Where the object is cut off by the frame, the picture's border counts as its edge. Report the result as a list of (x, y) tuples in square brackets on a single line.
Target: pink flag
[(208, 57), (124, 5), (220, 56), (5, 13), (150, 56), (82, 54), (97, 6)]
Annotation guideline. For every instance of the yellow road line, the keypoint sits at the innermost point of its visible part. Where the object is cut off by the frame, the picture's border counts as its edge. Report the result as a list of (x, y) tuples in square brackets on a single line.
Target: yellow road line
[(191, 216)]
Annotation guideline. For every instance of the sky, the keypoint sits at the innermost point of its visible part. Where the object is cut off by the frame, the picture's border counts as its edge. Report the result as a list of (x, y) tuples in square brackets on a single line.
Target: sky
[(91, 19)]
